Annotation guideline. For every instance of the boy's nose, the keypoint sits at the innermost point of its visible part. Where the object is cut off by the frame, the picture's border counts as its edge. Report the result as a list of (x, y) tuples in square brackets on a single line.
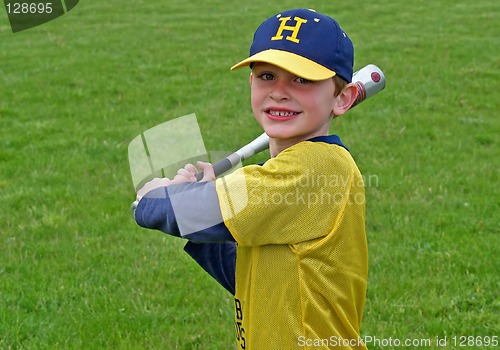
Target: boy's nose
[(279, 91)]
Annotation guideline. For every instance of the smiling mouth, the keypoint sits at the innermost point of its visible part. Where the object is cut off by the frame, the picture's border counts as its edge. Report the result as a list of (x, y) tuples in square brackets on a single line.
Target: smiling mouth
[(281, 115)]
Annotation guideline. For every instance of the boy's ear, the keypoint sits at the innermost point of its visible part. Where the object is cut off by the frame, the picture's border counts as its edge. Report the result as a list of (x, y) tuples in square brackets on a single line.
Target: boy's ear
[(345, 99), (251, 77)]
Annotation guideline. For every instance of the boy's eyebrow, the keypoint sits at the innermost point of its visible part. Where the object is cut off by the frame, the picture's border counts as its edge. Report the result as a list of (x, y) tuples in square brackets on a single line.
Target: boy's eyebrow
[(271, 69), (262, 69)]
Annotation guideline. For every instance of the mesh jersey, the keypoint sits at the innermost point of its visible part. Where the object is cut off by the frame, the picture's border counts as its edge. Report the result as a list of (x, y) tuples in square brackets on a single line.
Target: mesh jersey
[(301, 260)]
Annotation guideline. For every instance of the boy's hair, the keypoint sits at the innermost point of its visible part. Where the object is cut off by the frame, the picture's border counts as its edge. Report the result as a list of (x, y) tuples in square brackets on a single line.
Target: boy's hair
[(304, 42), (339, 83)]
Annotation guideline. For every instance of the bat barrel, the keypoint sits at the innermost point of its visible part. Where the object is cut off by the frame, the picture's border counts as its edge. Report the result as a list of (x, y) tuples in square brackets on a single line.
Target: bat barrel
[(369, 80)]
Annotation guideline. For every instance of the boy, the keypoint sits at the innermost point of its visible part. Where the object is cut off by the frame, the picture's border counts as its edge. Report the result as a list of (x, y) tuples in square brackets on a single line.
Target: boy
[(287, 238)]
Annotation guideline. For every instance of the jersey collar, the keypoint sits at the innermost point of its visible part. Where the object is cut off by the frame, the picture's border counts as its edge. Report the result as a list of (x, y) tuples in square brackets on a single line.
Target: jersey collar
[(331, 139)]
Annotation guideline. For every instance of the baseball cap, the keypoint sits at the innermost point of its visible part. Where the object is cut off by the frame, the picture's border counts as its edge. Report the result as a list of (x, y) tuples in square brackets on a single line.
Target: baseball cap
[(304, 42)]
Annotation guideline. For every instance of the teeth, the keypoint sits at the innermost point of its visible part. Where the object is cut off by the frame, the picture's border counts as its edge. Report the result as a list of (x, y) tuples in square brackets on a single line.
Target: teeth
[(281, 113)]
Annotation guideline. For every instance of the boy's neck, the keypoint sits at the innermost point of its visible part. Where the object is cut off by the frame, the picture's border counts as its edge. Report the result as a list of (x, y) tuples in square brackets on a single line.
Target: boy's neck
[(278, 145)]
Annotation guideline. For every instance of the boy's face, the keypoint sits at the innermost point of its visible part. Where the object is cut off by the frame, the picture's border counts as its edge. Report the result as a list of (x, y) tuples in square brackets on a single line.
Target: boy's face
[(289, 107)]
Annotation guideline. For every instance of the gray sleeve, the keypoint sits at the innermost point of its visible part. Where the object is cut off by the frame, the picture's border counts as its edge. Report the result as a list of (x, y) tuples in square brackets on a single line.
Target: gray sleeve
[(190, 210)]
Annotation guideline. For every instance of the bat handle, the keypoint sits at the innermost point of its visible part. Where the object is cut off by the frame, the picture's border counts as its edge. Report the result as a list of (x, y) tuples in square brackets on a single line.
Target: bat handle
[(222, 165)]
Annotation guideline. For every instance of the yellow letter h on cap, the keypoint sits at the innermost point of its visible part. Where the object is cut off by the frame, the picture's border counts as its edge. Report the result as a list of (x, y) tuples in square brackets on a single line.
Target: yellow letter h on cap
[(295, 30)]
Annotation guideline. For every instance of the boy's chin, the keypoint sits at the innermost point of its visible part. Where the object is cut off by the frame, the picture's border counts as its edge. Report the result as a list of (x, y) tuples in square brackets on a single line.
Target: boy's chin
[(283, 134), (278, 133)]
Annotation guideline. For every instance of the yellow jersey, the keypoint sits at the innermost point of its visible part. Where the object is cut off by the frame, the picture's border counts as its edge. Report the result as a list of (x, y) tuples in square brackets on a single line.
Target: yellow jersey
[(301, 257)]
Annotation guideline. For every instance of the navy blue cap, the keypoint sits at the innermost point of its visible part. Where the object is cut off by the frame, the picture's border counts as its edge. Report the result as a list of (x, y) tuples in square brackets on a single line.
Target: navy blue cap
[(304, 42)]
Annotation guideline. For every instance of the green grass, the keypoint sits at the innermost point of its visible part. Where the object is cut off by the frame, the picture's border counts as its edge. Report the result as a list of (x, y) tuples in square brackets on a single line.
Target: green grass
[(77, 273)]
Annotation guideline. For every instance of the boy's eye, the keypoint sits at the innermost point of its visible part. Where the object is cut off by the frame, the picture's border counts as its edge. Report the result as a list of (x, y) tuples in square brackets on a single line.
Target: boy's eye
[(302, 80), (271, 76), (266, 76)]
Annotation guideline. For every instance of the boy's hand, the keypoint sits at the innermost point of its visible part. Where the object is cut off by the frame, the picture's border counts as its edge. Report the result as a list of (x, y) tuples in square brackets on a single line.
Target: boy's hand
[(186, 174), (208, 171), (151, 185)]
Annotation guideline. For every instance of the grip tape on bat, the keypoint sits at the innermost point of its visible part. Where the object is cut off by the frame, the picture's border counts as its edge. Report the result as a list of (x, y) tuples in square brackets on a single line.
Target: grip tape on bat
[(222, 165)]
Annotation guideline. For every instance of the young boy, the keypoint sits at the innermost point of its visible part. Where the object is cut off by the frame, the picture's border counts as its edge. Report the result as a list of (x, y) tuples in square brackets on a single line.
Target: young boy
[(287, 238)]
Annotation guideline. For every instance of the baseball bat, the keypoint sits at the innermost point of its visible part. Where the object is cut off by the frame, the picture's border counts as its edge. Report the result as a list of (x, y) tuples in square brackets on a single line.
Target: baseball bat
[(369, 80)]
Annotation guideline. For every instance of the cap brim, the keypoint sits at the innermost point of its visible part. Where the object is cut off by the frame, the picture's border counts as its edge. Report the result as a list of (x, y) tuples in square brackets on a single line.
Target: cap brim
[(293, 63)]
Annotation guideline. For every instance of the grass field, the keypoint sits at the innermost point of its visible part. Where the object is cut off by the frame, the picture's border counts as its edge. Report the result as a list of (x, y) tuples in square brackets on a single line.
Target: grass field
[(77, 273)]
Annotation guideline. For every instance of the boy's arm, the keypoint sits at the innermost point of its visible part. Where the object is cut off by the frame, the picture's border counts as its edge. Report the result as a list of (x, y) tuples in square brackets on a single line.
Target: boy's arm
[(218, 259), (170, 207), (188, 210)]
